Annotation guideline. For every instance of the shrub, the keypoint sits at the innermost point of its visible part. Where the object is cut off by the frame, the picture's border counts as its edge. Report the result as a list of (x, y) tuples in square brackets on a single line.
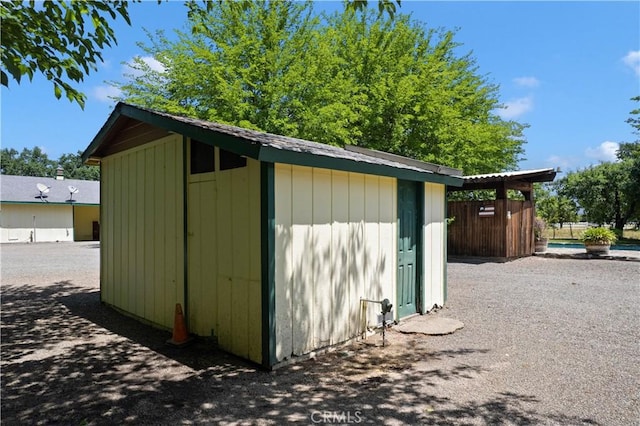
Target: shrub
[(598, 236)]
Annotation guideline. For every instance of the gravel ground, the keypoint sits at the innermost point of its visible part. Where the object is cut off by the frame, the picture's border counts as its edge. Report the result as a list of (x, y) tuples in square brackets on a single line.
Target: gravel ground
[(546, 341)]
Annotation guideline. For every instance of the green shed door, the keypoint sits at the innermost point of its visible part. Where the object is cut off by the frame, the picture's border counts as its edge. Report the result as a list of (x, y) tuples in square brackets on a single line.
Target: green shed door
[(407, 248)]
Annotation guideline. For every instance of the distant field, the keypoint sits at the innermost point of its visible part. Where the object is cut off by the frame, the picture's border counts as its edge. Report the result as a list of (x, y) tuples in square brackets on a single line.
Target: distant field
[(574, 232)]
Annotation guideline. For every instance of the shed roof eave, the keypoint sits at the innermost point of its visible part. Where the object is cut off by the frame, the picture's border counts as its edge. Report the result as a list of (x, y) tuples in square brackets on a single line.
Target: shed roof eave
[(274, 148), (274, 155), (536, 175)]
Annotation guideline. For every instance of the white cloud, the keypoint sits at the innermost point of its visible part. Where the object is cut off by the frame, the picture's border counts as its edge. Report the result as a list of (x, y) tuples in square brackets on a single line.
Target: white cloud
[(131, 68), (564, 163), (105, 64), (527, 81), (516, 108), (632, 60), (106, 93), (606, 151)]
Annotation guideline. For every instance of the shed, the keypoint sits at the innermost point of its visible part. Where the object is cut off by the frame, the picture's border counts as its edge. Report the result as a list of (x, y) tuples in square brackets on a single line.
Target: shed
[(270, 243), (28, 214), (500, 228)]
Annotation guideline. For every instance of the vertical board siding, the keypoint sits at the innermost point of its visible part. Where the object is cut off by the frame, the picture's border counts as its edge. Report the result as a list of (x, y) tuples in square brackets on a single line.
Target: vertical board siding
[(335, 244), (341, 291), (283, 181), (301, 258), (473, 235), (321, 230), (224, 258), (520, 239), (254, 290), (356, 259), (434, 238), (491, 236), (141, 206)]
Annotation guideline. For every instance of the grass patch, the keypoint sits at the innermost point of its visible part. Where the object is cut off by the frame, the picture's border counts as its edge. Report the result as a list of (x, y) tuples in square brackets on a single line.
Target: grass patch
[(566, 234)]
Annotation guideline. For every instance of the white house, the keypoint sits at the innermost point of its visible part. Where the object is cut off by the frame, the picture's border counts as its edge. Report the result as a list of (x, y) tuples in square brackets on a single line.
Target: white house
[(41, 209)]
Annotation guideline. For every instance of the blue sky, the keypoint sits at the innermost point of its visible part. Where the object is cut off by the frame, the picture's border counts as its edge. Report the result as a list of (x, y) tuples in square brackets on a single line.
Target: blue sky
[(568, 69)]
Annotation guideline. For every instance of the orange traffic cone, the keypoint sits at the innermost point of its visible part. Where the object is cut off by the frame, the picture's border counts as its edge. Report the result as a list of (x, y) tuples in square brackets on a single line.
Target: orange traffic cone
[(180, 335)]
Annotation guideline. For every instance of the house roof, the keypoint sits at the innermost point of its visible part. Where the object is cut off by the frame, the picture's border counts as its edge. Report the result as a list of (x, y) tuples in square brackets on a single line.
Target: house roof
[(261, 146), (24, 189)]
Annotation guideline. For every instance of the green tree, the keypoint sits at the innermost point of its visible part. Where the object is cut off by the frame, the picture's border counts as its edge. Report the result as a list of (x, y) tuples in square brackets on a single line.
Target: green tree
[(553, 208), (237, 65), (630, 152), (602, 192), (609, 193), (409, 93), (54, 38), (8, 161), (62, 40), (74, 168), (35, 162), (356, 78), (30, 162)]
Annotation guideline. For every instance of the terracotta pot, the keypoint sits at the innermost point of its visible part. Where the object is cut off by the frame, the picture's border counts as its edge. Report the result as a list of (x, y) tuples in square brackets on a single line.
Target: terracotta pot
[(597, 249)]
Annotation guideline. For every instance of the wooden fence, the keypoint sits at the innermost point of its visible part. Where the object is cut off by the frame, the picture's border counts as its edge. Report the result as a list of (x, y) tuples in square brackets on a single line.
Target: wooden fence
[(498, 228)]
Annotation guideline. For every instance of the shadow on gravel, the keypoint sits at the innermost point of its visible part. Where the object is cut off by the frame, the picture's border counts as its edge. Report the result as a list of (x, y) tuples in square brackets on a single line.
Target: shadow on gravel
[(67, 359), (475, 260)]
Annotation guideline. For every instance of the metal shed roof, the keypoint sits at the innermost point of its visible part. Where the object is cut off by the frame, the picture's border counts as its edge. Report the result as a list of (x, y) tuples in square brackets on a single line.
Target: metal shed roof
[(536, 175), (266, 147), (23, 190)]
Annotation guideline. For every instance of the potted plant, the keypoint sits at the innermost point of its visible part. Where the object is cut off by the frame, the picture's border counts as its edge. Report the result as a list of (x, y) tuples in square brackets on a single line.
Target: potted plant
[(598, 240), (539, 226)]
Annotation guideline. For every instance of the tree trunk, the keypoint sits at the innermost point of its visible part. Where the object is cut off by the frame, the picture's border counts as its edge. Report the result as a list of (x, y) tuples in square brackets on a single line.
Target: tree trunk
[(619, 220)]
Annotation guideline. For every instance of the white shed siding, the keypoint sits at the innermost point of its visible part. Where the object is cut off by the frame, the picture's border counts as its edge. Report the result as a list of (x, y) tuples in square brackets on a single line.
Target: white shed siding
[(335, 243), (224, 258), (434, 238), (142, 268), (22, 223)]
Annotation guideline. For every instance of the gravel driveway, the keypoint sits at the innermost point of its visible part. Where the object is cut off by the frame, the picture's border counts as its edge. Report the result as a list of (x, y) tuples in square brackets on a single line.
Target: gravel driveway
[(546, 341)]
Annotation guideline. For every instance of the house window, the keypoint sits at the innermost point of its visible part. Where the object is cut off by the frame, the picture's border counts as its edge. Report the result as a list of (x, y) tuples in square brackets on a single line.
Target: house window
[(202, 157), (229, 160)]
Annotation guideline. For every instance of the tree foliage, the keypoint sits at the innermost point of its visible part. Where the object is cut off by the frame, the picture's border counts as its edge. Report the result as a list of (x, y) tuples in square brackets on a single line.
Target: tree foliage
[(609, 193), (52, 37), (630, 152), (603, 193), (355, 77), (62, 40), (35, 162), (554, 208), (74, 168)]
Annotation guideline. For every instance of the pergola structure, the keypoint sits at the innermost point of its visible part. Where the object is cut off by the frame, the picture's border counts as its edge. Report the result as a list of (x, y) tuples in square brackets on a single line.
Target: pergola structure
[(500, 228)]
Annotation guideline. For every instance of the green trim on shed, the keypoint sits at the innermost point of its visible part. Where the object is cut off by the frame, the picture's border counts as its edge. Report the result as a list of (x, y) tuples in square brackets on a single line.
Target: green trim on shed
[(254, 148), (420, 249), (47, 203), (268, 262), (308, 159)]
